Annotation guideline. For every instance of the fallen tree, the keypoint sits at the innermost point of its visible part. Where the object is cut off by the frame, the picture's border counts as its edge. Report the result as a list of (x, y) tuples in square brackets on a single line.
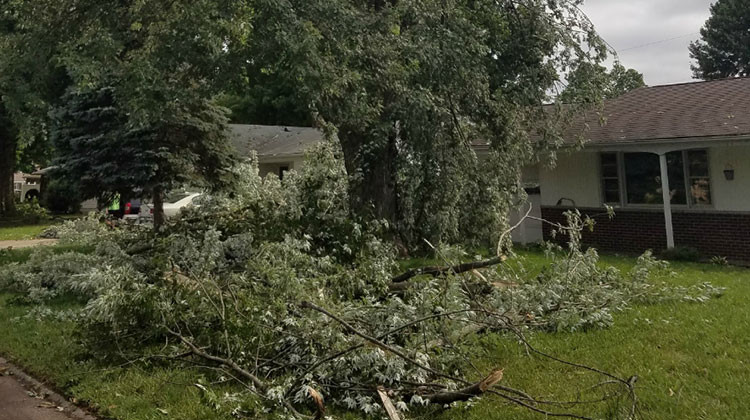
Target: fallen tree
[(301, 329)]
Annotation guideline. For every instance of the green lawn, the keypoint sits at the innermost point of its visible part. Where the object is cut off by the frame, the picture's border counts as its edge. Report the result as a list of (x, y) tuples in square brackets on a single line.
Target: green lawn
[(21, 232), (691, 360)]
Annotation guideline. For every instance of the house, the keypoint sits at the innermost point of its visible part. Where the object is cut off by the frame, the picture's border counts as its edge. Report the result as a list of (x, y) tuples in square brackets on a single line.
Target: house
[(278, 148), (26, 186), (673, 161)]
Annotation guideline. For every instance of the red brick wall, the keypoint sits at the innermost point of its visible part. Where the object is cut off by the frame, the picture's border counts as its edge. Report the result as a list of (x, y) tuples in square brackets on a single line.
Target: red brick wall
[(634, 231)]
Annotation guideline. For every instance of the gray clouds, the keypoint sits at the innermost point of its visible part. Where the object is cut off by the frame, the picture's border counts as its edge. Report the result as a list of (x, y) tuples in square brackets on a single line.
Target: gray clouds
[(625, 24)]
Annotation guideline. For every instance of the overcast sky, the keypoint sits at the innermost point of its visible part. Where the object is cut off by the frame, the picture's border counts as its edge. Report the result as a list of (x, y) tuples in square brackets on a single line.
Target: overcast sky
[(629, 25)]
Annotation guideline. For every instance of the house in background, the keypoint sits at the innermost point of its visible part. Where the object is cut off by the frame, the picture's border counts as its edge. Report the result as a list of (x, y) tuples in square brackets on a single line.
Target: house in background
[(26, 187), (674, 162), (278, 148)]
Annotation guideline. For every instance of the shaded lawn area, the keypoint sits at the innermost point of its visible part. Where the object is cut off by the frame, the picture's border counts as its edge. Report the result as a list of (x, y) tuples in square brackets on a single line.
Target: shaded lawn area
[(691, 360), (17, 233)]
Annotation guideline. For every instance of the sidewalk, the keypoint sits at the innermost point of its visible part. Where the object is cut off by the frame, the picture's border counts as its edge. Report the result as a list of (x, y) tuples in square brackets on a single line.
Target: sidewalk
[(26, 244), (23, 398)]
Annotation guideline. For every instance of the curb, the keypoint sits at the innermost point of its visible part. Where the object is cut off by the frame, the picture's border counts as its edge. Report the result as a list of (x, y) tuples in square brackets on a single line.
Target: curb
[(70, 410)]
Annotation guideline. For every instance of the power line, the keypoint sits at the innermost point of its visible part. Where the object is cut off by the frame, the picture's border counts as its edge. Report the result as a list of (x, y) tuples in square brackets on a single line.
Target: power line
[(658, 42)]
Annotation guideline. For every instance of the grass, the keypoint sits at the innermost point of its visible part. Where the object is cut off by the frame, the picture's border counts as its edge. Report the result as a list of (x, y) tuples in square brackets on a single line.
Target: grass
[(691, 359), (17, 233)]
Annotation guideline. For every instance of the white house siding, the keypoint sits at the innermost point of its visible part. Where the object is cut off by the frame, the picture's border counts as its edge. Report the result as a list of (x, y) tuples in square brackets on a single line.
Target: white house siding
[(730, 195), (575, 178)]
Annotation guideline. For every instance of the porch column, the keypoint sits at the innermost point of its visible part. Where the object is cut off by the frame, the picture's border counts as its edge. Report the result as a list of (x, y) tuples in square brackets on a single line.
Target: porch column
[(667, 199)]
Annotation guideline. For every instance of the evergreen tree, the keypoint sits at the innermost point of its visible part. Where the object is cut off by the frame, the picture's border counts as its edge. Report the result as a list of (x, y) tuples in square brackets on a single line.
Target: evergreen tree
[(724, 48)]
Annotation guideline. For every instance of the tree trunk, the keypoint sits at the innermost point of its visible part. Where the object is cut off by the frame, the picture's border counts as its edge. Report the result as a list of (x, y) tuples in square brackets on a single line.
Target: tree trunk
[(373, 188), (7, 166), (158, 201)]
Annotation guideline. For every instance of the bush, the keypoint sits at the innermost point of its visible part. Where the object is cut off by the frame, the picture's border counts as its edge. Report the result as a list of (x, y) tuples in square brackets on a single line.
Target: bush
[(30, 212), (681, 253), (62, 197)]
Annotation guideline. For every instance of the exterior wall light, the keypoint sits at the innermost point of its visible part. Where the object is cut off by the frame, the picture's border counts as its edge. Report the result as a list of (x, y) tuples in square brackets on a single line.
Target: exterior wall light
[(729, 174)]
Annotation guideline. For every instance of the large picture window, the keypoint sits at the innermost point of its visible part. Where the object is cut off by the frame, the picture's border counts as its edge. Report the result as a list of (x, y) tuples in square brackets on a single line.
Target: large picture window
[(635, 178)]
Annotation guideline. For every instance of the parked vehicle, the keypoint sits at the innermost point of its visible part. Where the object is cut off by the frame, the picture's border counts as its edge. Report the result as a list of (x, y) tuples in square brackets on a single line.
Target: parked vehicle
[(173, 203)]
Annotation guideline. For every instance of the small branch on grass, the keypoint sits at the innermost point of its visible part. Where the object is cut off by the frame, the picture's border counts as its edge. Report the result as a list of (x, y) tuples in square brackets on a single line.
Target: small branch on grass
[(471, 389), (257, 383), (468, 392), (440, 271)]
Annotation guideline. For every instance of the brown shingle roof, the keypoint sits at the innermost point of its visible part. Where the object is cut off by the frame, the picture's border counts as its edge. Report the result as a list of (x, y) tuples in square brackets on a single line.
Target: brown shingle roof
[(718, 108), (271, 140)]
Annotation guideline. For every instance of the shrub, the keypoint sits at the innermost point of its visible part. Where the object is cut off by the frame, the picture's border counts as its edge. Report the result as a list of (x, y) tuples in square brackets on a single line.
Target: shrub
[(718, 260), (681, 253), (61, 196), (31, 212)]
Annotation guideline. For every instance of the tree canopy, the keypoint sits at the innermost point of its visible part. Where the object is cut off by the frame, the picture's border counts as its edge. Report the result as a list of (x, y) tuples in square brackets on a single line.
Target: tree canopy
[(593, 82), (724, 47), (437, 104), (411, 87), (160, 63)]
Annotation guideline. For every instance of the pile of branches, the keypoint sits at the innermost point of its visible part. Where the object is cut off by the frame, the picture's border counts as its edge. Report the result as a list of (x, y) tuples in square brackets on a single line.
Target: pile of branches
[(302, 331)]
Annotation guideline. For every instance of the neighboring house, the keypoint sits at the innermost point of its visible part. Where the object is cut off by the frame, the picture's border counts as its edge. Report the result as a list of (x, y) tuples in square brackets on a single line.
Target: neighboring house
[(26, 186), (279, 149), (674, 162)]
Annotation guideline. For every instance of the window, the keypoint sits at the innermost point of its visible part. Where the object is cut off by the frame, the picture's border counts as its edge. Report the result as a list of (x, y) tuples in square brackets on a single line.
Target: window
[(699, 181), (610, 178), (640, 176), (283, 169)]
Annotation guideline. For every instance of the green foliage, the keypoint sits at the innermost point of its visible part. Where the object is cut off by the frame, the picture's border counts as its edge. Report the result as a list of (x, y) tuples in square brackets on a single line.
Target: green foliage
[(723, 48), (312, 204), (719, 260), (681, 253), (140, 80), (133, 160), (31, 212), (241, 296), (411, 85), (62, 196), (589, 82)]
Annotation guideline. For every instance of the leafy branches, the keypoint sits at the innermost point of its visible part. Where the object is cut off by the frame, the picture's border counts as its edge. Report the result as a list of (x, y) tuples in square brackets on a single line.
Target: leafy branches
[(284, 318)]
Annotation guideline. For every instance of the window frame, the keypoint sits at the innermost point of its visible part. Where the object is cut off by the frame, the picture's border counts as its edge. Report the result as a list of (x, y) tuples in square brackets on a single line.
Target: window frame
[(620, 183), (688, 177)]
